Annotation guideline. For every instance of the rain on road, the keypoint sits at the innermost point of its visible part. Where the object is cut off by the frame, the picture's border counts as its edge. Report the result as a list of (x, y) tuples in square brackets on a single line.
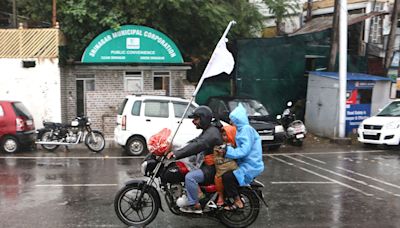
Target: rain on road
[(335, 188)]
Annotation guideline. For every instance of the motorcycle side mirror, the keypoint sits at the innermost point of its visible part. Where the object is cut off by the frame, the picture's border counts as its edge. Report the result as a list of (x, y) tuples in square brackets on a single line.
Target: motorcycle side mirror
[(289, 104), (278, 117)]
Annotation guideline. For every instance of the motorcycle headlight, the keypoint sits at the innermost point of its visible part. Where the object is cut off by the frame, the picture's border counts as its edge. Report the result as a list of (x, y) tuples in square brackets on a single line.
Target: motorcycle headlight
[(143, 168), (279, 129), (391, 125)]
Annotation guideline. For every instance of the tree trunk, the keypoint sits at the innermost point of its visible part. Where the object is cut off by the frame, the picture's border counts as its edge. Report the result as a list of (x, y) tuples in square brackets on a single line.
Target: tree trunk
[(334, 37), (392, 37)]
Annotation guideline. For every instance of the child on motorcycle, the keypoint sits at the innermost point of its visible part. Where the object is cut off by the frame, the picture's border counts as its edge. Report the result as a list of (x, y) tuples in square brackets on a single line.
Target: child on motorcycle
[(222, 164)]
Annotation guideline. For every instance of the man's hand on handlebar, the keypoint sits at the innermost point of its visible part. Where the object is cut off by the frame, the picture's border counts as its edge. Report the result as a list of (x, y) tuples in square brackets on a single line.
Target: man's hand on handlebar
[(170, 155)]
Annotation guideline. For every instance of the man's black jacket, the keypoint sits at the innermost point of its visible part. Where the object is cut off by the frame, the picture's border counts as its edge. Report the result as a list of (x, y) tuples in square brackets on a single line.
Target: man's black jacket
[(205, 142)]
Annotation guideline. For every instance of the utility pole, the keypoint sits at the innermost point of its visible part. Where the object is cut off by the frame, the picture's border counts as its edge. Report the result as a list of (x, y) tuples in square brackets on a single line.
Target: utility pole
[(54, 14), (14, 17), (342, 67), (334, 37), (392, 37), (309, 10)]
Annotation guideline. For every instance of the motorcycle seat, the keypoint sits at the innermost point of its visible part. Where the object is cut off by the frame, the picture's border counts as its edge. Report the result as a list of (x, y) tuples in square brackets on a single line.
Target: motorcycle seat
[(209, 188)]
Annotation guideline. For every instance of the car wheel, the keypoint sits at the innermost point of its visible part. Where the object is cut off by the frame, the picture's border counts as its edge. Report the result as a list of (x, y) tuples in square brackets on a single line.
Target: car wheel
[(9, 144), (136, 146)]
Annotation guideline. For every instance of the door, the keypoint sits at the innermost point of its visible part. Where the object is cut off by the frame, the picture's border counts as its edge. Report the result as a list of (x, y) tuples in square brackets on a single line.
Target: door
[(156, 117), (187, 130), (83, 85)]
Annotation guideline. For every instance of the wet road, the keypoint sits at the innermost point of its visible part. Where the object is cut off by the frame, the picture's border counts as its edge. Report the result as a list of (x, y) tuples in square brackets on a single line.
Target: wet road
[(322, 187)]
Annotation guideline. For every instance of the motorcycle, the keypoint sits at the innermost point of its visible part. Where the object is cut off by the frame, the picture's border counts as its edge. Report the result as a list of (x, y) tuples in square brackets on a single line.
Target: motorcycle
[(295, 129), (78, 130), (138, 202)]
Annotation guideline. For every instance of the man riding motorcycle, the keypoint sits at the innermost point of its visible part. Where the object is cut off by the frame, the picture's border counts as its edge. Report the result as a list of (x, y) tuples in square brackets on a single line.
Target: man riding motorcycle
[(205, 143)]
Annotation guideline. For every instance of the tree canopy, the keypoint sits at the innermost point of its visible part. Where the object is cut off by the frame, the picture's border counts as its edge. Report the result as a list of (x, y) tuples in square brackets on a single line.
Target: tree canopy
[(194, 25)]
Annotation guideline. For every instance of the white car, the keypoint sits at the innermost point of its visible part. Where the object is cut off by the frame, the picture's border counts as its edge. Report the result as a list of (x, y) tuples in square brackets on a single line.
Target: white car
[(139, 117), (383, 128)]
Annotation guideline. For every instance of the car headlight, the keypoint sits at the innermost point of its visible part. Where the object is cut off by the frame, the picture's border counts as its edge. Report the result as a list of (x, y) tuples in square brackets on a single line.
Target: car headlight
[(279, 129), (391, 125)]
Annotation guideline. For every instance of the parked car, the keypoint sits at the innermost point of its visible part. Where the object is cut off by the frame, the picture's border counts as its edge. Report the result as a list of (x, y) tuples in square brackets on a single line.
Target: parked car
[(139, 117), (271, 132), (383, 128), (17, 127)]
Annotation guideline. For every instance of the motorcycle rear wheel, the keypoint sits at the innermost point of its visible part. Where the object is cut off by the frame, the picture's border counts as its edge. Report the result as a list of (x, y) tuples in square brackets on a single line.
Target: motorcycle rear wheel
[(97, 144), (132, 212), (47, 137), (242, 217)]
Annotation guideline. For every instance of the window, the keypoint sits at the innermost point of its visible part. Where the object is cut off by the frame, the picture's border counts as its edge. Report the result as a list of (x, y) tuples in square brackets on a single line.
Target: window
[(133, 81), (179, 108), (161, 81), (136, 108), (156, 109), (364, 96), (122, 106), (1, 111)]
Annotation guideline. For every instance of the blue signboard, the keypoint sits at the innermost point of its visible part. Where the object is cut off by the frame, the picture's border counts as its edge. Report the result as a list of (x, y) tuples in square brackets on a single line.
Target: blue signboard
[(355, 114)]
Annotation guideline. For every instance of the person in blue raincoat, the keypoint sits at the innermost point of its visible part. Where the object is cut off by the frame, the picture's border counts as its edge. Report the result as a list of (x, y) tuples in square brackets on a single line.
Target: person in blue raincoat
[(248, 154)]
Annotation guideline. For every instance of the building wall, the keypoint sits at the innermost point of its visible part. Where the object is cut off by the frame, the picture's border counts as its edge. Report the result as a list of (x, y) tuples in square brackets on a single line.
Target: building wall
[(37, 87), (321, 117), (103, 102)]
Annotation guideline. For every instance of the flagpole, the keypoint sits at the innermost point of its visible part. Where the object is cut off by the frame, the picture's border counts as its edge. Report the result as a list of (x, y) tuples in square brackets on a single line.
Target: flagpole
[(201, 80)]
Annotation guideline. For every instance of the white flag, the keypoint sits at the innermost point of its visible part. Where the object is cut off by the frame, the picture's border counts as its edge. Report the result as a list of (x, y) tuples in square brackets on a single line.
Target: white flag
[(221, 60)]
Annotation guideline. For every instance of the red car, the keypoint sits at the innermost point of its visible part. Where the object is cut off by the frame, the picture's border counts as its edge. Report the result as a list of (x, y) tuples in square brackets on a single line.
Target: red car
[(16, 126)]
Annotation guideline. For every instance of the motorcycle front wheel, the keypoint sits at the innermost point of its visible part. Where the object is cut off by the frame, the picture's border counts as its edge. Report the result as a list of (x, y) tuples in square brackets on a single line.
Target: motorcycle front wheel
[(242, 217), (47, 137), (134, 211), (96, 143)]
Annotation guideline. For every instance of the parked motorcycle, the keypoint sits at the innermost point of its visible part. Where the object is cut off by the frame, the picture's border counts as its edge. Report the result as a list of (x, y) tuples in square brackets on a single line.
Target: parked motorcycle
[(54, 135), (138, 202), (295, 129)]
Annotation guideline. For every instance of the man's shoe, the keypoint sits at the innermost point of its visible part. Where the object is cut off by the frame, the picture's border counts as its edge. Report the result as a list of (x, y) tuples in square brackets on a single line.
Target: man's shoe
[(191, 209)]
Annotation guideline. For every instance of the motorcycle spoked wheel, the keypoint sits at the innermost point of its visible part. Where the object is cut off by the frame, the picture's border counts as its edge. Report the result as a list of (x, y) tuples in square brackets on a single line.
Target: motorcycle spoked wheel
[(97, 144), (47, 137), (132, 212), (242, 217)]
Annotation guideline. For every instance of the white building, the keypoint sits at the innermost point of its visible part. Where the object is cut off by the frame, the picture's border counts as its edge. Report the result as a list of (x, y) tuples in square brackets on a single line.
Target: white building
[(30, 71)]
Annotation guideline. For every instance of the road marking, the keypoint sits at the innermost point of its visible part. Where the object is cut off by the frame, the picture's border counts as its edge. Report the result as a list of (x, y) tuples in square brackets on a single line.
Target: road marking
[(322, 176), (75, 185), (141, 157), (316, 160), (344, 176), (302, 182), (95, 158), (368, 177)]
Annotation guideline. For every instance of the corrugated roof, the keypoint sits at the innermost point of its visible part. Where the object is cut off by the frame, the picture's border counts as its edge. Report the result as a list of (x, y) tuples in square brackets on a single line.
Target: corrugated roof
[(29, 43), (321, 23), (350, 76)]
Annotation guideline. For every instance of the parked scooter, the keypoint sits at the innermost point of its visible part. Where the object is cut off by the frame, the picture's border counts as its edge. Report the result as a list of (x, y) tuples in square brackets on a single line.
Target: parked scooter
[(54, 135), (295, 129)]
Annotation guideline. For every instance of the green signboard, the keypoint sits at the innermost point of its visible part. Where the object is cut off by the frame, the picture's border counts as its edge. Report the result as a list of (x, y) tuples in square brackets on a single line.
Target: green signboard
[(132, 44)]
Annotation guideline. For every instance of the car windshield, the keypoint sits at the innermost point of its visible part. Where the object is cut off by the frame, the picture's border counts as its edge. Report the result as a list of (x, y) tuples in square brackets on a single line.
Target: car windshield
[(393, 109), (253, 107)]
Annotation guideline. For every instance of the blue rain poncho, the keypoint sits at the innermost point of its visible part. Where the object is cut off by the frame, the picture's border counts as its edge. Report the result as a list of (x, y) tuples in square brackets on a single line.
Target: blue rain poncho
[(248, 152)]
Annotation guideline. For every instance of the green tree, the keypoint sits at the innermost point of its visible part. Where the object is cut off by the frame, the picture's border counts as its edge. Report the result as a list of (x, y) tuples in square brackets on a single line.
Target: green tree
[(281, 9), (194, 25)]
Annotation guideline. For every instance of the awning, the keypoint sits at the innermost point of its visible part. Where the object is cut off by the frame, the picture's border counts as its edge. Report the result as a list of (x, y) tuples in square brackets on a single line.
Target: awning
[(322, 23)]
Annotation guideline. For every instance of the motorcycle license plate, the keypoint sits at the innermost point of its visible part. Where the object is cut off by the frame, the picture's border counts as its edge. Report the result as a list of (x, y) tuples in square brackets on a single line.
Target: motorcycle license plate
[(267, 137), (299, 136)]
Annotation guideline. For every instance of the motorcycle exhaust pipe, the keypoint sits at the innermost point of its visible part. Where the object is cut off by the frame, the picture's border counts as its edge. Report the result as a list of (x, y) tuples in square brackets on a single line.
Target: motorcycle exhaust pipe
[(56, 143)]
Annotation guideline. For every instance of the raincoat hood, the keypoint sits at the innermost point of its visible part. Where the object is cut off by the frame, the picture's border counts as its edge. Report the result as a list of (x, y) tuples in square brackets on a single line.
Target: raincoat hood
[(239, 116)]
